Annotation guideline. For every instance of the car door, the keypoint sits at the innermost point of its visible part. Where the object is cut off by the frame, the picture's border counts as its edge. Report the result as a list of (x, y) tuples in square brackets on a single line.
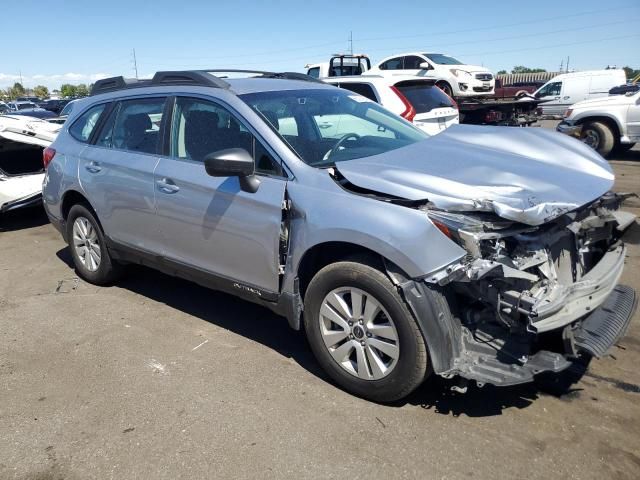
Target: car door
[(209, 224), (633, 119), (116, 172), (550, 95), (411, 66)]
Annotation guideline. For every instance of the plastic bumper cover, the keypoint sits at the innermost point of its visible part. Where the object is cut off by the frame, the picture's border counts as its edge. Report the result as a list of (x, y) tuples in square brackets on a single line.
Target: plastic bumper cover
[(569, 129)]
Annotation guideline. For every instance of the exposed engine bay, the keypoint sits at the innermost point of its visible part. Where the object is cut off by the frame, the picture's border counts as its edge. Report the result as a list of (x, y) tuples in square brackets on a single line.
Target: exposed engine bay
[(22, 141), (530, 299)]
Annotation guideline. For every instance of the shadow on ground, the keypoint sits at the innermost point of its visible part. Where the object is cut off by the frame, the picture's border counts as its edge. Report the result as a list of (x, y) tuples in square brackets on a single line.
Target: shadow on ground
[(23, 218), (436, 394), (238, 316), (263, 326), (633, 155)]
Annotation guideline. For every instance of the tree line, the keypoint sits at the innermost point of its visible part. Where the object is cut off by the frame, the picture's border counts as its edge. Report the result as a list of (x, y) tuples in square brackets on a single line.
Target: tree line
[(630, 72), (67, 90)]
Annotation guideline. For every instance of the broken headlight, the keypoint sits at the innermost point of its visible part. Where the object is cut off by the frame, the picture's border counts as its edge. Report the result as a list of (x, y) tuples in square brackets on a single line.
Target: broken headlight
[(468, 230)]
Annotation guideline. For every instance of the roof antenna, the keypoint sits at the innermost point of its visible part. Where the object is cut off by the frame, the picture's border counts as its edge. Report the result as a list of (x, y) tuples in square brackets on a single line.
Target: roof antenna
[(135, 63)]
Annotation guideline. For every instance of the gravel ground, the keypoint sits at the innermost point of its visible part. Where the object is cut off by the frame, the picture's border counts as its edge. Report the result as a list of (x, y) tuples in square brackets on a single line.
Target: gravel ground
[(159, 378)]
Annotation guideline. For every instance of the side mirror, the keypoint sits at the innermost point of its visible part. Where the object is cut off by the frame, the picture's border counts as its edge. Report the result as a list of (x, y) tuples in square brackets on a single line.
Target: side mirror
[(233, 162), (426, 66)]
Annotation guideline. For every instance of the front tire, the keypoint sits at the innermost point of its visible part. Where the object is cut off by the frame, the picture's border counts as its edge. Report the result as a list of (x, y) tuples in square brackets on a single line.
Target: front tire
[(88, 247), (446, 88), (599, 136), (362, 333)]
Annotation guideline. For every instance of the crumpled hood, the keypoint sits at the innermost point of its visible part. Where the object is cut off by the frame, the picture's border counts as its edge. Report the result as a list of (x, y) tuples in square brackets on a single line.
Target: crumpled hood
[(528, 175)]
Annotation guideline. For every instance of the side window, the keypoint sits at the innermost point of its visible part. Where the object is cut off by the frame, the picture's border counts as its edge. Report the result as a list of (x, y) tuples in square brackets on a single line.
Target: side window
[(392, 64), (265, 163), (412, 62), (105, 138), (136, 126), (201, 127), (314, 72), (84, 125), (361, 89), (551, 89)]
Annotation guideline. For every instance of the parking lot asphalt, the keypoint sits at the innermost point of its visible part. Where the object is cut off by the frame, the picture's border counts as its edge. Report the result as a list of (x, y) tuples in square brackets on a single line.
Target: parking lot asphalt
[(158, 378)]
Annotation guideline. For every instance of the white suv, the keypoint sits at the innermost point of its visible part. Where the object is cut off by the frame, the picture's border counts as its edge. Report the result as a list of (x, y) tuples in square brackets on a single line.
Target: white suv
[(454, 77), (605, 124), (415, 99)]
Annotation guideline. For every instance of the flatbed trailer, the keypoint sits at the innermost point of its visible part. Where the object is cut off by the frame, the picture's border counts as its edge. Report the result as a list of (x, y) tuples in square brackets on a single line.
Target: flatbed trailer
[(503, 112)]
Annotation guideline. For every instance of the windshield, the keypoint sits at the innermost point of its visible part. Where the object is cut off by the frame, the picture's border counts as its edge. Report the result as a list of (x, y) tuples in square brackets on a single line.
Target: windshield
[(442, 59), (327, 126)]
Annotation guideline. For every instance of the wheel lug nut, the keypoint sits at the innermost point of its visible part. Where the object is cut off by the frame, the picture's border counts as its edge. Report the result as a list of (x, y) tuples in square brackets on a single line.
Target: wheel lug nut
[(350, 323), (369, 334), (361, 322), (351, 336), (362, 343)]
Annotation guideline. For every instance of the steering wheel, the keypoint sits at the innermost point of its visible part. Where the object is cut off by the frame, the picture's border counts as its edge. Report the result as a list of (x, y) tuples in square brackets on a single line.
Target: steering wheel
[(340, 142)]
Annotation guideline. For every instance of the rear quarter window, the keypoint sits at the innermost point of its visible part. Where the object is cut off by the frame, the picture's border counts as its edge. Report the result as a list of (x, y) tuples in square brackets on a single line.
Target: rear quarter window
[(82, 128)]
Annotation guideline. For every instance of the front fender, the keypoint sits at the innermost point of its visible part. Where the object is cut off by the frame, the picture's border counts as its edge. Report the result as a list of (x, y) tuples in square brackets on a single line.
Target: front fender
[(402, 235)]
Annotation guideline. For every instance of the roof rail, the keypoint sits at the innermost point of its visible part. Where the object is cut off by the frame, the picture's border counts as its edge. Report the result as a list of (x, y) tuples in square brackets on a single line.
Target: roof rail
[(116, 83), (188, 77), (264, 74), (293, 76), (205, 78)]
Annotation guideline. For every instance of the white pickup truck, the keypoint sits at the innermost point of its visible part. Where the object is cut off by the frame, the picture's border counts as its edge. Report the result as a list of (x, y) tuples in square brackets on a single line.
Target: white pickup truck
[(605, 124)]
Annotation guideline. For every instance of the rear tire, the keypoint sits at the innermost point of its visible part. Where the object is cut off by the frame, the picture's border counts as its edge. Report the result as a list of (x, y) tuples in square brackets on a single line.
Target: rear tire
[(350, 353), (599, 136), (88, 247)]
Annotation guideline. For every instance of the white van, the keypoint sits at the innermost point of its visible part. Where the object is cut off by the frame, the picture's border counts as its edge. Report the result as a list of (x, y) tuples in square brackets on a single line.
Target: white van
[(564, 90)]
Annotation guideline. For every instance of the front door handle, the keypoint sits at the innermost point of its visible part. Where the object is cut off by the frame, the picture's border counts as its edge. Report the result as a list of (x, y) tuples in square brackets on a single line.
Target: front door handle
[(93, 167), (166, 185)]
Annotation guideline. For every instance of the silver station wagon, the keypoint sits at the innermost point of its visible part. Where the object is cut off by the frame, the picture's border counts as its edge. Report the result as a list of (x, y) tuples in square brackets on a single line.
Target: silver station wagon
[(489, 254)]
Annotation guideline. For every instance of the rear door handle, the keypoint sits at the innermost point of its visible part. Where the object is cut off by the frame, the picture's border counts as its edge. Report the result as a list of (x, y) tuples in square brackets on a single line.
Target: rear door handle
[(167, 185), (93, 167)]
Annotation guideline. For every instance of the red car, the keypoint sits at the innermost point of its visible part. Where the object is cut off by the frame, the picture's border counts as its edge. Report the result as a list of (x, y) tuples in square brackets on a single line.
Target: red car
[(516, 89)]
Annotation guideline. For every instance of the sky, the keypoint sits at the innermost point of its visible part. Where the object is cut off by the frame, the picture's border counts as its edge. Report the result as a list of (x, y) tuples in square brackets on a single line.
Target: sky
[(71, 41)]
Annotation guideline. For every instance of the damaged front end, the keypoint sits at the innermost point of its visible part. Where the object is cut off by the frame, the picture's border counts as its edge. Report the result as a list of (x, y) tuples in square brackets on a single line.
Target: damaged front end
[(531, 299)]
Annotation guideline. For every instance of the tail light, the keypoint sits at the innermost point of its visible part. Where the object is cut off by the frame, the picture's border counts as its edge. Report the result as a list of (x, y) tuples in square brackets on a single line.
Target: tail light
[(409, 111), (47, 156)]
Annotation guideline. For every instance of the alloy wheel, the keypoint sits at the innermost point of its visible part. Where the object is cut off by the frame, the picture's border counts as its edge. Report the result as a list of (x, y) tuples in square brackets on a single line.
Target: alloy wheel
[(86, 244), (358, 333), (591, 138)]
